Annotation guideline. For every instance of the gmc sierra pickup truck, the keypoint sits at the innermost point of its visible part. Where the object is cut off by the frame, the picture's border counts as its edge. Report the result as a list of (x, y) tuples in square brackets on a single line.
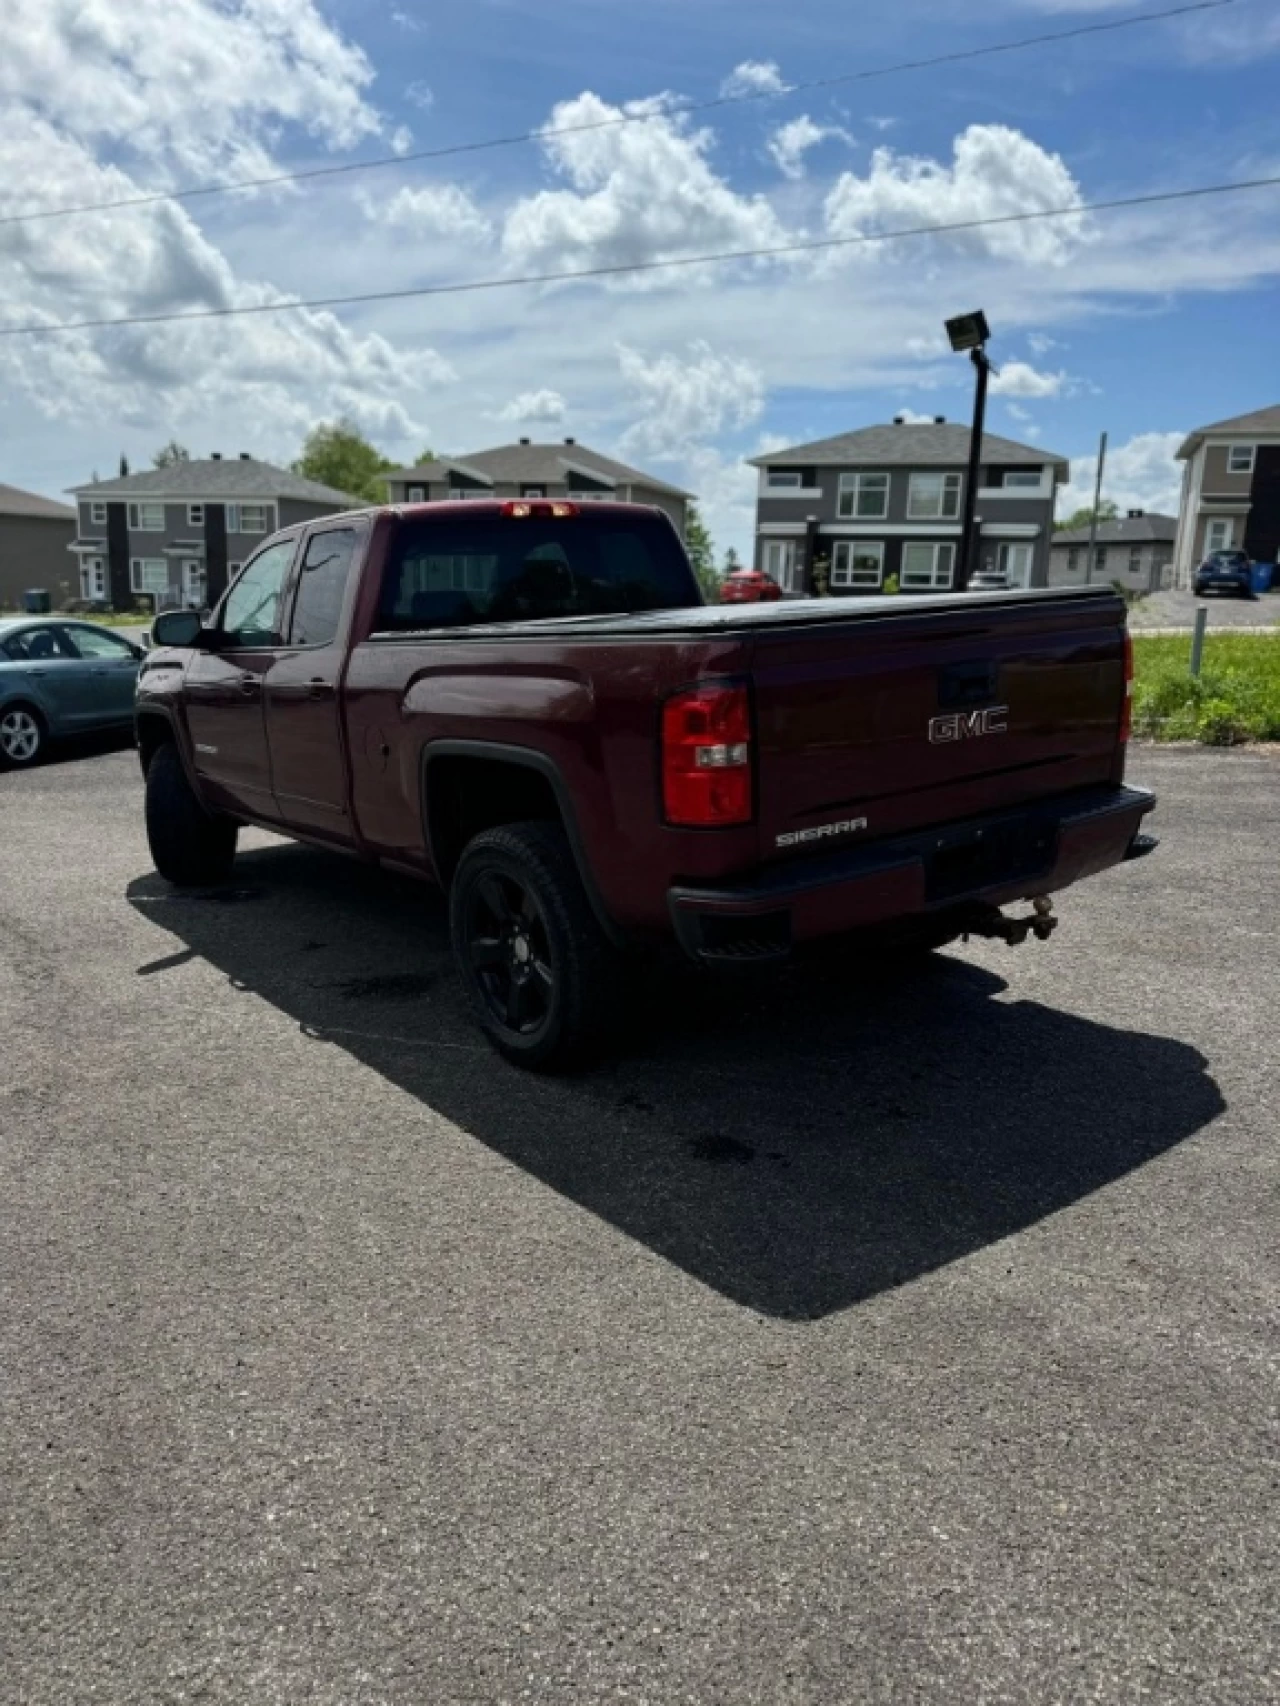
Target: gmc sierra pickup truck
[(529, 704)]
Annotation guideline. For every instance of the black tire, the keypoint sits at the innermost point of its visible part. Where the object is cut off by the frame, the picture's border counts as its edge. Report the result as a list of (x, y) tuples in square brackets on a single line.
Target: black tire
[(24, 735), (540, 976), (189, 845)]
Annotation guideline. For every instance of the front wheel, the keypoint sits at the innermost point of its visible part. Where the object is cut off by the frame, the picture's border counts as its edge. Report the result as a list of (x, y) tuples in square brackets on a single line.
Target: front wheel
[(189, 845), (539, 973), (22, 737)]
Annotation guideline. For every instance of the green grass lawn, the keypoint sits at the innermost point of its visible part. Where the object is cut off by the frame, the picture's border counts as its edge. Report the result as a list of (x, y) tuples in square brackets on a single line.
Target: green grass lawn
[(1236, 698)]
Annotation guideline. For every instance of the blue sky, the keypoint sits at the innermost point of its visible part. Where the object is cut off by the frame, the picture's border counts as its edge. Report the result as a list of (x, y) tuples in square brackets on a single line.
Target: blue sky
[(1144, 323)]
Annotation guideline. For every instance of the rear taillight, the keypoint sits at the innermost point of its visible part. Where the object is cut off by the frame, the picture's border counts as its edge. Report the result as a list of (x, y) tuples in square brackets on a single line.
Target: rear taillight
[(1126, 714), (706, 756), (540, 509)]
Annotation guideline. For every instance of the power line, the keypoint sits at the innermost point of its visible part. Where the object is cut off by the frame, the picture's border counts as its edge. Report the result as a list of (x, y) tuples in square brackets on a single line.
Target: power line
[(1105, 27), (467, 286)]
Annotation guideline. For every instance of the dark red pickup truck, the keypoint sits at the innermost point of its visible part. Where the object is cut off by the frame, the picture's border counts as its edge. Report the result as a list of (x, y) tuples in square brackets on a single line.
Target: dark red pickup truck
[(529, 704)]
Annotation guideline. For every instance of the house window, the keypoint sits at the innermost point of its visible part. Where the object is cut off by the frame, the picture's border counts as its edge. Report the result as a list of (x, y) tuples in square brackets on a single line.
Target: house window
[(149, 574), (784, 479), (98, 514), (1240, 458), (858, 563), (249, 518), (1135, 559), (1219, 534), (195, 515), (1025, 478), (417, 494), (1100, 559), (933, 497), (927, 568), (780, 563), (461, 493), (533, 491), (1073, 560), (146, 518), (863, 497)]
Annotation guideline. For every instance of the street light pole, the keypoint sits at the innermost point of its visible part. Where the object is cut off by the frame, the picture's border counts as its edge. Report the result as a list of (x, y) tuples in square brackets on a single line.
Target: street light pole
[(967, 542), (970, 332), (1097, 501)]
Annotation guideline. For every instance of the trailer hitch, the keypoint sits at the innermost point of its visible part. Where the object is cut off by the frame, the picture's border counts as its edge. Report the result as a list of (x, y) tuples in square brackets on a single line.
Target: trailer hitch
[(989, 921)]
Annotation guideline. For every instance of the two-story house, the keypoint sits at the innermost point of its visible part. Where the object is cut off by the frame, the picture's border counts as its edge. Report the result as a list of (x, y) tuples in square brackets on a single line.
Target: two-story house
[(886, 502), (527, 470), (176, 534), (1134, 552), (1230, 491)]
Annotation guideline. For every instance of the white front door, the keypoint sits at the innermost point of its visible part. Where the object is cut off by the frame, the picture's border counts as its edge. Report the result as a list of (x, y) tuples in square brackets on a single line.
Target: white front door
[(93, 577), (193, 585), (1219, 535), (780, 562), (1015, 561)]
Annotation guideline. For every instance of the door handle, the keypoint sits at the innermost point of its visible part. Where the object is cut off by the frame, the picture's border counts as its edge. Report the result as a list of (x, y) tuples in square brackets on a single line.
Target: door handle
[(249, 685), (318, 688)]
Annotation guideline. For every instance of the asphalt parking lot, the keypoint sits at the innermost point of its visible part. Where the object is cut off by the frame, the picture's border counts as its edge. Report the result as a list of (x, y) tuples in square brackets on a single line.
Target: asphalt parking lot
[(870, 1337)]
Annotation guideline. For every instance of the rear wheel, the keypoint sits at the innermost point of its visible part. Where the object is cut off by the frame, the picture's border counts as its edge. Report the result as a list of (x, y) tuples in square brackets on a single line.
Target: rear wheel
[(23, 736), (539, 973), (190, 846)]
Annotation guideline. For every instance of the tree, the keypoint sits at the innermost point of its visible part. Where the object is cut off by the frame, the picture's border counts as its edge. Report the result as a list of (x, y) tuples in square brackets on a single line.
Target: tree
[(170, 453), (423, 456), (337, 454), (702, 553), (1082, 518), (124, 464), (732, 561)]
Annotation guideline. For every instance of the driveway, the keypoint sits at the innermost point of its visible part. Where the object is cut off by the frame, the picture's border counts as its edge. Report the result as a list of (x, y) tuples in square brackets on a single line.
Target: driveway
[(1177, 610), (860, 1337)]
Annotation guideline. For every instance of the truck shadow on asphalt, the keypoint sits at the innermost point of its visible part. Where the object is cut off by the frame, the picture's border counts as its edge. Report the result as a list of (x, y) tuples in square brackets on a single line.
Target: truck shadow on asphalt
[(799, 1146)]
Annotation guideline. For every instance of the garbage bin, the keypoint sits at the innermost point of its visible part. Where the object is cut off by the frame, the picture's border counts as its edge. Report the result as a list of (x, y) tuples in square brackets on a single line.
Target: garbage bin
[(1262, 576), (36, 601)]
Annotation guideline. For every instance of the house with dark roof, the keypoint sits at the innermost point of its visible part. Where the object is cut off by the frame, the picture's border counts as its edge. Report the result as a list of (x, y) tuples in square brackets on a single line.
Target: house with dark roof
[(176, 534), (34, 535), (1135, 551), (565, 469), (1230, 491), (886, 502)]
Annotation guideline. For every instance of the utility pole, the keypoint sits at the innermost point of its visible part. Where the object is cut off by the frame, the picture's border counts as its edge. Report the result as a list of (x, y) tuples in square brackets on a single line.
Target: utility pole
[(970, 332), (1097, 501)]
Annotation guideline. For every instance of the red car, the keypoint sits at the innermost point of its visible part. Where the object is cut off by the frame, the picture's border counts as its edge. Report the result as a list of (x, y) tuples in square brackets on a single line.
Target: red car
[(749, 586)]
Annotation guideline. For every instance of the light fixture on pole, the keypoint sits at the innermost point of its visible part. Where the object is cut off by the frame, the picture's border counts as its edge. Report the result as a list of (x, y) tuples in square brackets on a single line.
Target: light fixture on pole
[(970, 332)]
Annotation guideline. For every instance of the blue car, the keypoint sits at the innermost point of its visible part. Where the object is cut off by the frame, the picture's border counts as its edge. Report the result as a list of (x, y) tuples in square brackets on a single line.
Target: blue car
[(1225, 571), (61, 677)]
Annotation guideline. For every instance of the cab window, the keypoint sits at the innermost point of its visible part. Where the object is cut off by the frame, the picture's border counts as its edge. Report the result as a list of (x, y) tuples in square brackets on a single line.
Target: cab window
[(251, 609)]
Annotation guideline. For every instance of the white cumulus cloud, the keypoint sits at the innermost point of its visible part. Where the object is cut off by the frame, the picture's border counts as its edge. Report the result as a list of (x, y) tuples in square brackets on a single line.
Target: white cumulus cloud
[(435, 210), (538, 406), (686, 397), (913, 417), (995, 171), (754, 77), (638, 192), (1020, 379), (790, 142), (1142, 473)]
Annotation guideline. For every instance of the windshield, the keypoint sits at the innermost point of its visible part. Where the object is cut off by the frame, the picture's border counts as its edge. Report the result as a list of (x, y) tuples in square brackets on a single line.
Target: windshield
[(457, 572)]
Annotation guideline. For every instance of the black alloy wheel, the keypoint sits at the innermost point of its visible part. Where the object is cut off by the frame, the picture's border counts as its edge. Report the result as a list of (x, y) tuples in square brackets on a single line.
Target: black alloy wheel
[(508, 947)]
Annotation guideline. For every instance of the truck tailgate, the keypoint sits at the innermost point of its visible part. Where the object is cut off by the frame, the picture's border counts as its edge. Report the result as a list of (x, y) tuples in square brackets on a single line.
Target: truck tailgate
[(932, 715)]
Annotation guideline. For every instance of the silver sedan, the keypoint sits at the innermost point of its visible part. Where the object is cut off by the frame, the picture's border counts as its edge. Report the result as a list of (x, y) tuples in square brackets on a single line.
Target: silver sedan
[(61, 677)]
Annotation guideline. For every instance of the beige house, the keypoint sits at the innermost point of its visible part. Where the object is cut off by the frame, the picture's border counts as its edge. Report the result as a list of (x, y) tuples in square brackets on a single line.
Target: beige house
[(1230, 491), (527, 470), (1135, 551)]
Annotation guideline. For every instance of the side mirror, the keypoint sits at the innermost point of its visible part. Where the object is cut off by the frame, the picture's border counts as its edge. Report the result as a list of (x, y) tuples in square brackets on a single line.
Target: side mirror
[(177, 628)]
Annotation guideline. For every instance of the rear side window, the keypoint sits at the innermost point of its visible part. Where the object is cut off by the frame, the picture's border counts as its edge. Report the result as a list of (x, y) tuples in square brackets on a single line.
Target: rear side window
[(451, 574), (34, 645), (322, 585)]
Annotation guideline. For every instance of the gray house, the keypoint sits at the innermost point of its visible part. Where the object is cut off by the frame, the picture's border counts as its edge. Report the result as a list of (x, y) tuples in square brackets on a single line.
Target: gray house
[(176, 534), (1230, 491), (887, 501), (526, 470), (34, 535), (1134, 552)]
